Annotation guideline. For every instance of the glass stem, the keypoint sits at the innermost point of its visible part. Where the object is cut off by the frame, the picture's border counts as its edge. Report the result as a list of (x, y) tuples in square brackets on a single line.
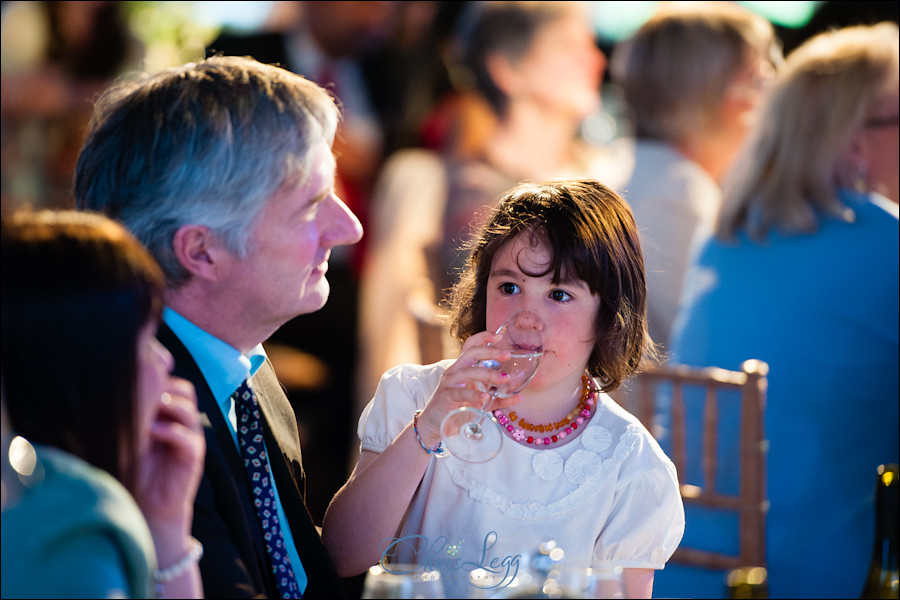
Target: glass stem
[(483, 412)]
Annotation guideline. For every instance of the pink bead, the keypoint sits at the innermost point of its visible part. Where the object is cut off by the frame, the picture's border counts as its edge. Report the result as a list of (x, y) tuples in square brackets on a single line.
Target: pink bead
[(579, 420), (590, 401), (538, 441), (563, 434), (585, 413), (497, 413)]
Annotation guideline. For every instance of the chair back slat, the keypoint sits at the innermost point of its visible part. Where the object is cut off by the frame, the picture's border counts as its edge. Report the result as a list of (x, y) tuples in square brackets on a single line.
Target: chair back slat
[(710, 439), (640, 396), (678, 437), (753, 461)]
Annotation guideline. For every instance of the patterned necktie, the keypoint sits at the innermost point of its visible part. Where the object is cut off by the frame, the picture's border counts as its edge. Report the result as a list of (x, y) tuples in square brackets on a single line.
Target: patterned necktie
[(253, 451)]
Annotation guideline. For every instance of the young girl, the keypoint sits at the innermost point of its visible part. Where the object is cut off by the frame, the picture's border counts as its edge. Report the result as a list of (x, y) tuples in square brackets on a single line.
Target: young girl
[(593, 480)]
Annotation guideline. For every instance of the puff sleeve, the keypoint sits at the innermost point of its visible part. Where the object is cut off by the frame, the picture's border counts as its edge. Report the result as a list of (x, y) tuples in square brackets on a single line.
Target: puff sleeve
[(401, 391), (646, 522)]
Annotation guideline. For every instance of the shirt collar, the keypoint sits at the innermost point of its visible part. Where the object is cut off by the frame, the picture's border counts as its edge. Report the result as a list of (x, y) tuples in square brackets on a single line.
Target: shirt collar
[(221, 364)]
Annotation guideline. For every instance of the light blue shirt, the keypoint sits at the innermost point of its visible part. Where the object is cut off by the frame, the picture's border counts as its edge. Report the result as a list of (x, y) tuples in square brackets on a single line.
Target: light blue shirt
[(225, 369)]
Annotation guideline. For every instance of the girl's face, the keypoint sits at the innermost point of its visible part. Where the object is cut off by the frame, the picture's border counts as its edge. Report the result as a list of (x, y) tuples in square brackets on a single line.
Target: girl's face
[(568, 307), (154, 365)]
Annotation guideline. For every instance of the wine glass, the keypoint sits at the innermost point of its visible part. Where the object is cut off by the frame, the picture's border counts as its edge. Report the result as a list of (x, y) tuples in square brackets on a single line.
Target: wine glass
[(547, 574), (463, 430), (580, 582), (402, 581)]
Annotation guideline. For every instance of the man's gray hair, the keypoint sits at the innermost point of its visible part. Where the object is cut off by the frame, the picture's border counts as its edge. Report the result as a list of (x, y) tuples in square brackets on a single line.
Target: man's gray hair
[(207, 143)]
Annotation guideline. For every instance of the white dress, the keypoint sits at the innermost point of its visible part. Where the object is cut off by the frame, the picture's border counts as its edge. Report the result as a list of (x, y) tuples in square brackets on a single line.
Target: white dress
[(608, 496)]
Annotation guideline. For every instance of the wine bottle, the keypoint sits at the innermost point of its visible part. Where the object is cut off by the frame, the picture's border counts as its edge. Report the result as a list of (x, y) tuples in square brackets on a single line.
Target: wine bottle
[(882, 579)]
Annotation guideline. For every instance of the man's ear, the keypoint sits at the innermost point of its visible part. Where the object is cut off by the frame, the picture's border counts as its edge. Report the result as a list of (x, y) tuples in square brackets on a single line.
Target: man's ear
[(199, 251)]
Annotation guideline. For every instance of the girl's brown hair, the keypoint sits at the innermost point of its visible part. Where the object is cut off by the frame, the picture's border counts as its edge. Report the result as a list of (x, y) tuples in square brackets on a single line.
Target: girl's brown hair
[(591, 235)]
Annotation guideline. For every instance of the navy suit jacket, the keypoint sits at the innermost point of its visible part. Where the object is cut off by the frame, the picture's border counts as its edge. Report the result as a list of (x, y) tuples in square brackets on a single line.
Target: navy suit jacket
[(235, 564)]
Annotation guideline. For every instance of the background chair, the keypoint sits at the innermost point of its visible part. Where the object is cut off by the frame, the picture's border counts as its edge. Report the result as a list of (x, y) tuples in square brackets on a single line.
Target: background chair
[(642, 397)]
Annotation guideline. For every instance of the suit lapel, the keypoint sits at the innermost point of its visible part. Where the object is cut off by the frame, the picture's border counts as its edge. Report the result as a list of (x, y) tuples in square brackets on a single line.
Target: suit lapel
[(220, 446), (186, 367), (281, 434)]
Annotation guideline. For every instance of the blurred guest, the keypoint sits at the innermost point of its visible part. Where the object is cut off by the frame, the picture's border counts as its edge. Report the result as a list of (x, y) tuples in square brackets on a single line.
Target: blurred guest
[(223, 169), (411, 72), (537, 72), (87, 387), (802, 273), (692, 77), (56, 57)]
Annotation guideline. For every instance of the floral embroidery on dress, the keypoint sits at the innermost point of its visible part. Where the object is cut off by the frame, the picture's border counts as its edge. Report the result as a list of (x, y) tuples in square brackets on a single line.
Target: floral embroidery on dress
[(582, 466), (596, 439), (594, 471), (585, 476), (547, 465)]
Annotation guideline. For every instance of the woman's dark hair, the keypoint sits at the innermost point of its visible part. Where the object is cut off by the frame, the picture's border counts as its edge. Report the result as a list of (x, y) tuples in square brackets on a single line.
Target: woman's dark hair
[(77, 291), (507, 28), (591, 235)]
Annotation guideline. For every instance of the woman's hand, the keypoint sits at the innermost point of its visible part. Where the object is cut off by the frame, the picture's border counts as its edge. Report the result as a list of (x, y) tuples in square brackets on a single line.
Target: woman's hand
[(168, 476), (169, 473), (457, 386)]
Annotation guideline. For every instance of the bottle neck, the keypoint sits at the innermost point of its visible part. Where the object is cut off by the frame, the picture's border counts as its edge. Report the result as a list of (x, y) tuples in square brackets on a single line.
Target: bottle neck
[(882, 579), (887, 545)]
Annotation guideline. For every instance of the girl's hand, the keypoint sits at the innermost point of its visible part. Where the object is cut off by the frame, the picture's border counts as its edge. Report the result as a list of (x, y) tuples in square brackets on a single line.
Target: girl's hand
[(169, 472), (458, 388)]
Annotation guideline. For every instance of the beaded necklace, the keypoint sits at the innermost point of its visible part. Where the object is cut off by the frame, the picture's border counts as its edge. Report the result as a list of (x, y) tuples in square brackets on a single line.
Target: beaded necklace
[(557, 430)]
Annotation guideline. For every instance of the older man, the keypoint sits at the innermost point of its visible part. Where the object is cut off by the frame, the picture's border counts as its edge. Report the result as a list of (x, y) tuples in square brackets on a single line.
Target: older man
[(223, 169)]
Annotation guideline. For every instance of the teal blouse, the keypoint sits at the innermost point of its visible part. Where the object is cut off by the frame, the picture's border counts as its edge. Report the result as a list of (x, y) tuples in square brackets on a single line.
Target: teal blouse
[(74, 532)]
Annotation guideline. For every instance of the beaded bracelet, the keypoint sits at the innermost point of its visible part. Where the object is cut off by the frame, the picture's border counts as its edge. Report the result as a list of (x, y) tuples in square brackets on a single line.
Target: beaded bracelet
[(169, 573), (437, 450)]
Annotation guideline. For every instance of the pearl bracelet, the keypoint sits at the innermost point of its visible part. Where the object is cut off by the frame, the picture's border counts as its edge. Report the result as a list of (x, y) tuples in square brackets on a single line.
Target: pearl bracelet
[(194, 554), (437, 450)]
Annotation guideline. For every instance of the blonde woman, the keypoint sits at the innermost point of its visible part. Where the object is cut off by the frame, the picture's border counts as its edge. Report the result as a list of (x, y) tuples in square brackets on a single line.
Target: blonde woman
[(802, 273)]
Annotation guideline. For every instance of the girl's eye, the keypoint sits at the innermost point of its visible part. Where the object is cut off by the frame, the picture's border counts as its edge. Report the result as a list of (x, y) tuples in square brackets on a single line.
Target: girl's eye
[(560, 296), (508, 288)]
